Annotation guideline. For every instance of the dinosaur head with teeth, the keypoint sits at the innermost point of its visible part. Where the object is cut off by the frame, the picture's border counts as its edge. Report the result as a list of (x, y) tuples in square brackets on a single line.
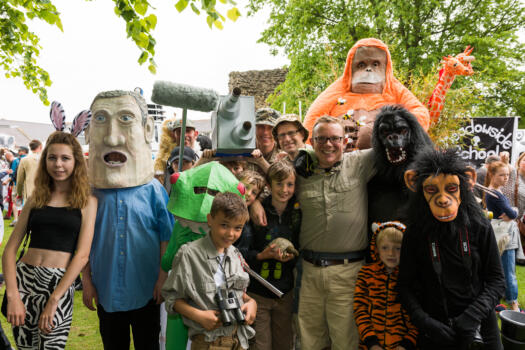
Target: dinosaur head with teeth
[(119, 139)]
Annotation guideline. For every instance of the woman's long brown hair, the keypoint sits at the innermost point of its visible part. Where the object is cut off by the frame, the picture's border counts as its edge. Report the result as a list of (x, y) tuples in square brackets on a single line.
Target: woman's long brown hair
[(44, 185)]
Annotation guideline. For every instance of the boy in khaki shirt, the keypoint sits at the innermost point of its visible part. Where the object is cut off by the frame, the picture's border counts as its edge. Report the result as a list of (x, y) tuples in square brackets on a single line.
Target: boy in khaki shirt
[(204, 266)]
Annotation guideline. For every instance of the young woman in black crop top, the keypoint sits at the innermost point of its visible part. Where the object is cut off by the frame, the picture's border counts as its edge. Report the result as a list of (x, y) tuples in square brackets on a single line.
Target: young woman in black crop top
[(60, 217)]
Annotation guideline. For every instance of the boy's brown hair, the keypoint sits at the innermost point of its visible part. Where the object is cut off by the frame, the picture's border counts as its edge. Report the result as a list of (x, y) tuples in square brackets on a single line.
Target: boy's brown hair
[(251, 177), (391, 233), (232, 163), (230, 204), (279, 171)]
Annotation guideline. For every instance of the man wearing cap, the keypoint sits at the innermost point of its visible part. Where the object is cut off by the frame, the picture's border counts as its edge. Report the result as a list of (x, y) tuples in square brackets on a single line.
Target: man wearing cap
[(189, 137), (189, 158), (265, 119), (170, 138), (290, 135)]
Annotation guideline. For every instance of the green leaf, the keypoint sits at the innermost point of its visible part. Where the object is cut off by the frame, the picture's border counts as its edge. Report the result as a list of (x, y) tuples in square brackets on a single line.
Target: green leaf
[(195, 9), (223, 1), (142, 40), (141, 7), (218, 24), (210, 20), (58, 23), (181, 5), (143, 57), (152, 21), (233, 14), (152, 69)]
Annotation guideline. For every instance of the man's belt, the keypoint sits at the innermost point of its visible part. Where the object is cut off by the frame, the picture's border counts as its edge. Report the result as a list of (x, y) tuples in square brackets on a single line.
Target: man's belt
[(322, 259)]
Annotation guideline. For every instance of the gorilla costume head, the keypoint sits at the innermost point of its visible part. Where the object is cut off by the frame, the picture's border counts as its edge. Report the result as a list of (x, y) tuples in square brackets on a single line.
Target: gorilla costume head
[(396, 138)]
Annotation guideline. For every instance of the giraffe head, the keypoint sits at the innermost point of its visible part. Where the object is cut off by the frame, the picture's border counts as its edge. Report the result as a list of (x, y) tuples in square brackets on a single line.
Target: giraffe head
[(460, 64)]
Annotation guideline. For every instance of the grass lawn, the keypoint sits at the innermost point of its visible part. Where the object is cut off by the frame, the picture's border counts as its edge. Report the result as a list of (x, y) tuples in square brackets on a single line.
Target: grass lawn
[(85, 335)]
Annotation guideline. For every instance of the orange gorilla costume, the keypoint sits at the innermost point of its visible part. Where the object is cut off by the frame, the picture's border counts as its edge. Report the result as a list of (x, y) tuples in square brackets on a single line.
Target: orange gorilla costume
[(338, 99)]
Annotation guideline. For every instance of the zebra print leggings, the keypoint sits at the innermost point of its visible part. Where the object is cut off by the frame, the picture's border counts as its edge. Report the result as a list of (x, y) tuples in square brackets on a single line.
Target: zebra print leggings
[(35, 284)]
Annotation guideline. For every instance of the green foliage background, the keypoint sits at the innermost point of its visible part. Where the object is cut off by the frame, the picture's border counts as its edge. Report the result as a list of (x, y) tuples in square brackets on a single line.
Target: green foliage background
[(316, 35), (20, 48)]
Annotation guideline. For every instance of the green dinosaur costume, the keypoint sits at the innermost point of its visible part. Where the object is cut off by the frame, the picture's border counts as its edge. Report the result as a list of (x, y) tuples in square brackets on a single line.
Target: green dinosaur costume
[(192, 193)]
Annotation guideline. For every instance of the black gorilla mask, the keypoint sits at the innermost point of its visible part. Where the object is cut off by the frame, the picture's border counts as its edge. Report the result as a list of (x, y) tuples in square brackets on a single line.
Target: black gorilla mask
[(394, 134)]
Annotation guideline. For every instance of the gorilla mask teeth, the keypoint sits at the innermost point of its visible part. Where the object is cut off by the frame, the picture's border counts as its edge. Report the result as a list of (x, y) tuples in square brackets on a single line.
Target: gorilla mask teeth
[(396, 155)]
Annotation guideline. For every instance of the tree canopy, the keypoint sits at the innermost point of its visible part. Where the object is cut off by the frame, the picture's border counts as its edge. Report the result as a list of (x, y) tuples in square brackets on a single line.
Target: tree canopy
[(317, 34), (19, 47)]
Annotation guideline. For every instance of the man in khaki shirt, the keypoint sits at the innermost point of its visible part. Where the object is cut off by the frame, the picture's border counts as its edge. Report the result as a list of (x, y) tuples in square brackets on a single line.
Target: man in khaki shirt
[(333, 238), (331, 187), (25, 178)]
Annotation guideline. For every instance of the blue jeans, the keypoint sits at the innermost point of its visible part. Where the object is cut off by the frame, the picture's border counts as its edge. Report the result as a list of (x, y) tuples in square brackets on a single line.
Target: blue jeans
[(508, 262)]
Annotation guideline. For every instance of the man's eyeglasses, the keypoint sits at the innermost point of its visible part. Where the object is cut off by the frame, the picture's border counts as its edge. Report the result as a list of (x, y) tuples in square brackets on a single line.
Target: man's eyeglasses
[(333, 139), (289, 134)]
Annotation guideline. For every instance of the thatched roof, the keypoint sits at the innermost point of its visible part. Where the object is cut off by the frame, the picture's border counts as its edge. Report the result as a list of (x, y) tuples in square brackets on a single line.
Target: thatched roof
[(257, 83)]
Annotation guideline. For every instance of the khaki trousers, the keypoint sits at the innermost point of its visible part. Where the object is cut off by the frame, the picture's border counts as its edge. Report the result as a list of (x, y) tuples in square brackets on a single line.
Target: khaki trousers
[(326, 313), (273, 323)]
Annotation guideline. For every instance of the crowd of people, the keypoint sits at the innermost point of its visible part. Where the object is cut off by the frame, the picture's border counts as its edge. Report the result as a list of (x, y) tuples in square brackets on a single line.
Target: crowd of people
[(302, 225)]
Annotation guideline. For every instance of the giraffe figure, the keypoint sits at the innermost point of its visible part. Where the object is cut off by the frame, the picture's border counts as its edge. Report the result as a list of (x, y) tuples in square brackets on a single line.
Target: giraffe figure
[(452, 66)]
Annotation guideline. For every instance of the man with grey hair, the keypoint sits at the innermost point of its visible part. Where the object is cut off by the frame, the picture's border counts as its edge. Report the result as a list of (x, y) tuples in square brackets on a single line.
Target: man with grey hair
[(133, 225)]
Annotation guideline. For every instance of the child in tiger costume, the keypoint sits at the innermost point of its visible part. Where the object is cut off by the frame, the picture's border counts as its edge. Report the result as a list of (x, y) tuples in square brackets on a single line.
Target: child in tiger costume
[(381, 321)]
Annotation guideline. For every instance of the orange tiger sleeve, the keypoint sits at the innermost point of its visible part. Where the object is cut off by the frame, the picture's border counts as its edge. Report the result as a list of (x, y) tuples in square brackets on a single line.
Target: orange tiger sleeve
[(362, 304)]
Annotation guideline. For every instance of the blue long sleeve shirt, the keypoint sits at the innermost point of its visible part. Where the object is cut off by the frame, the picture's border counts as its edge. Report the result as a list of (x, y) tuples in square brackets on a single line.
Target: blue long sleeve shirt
[(500, 205), (125, 254)]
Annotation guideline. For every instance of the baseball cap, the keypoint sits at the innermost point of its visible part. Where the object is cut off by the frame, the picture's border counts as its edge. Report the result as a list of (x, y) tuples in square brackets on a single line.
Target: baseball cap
[(189, 155), (178, 124)]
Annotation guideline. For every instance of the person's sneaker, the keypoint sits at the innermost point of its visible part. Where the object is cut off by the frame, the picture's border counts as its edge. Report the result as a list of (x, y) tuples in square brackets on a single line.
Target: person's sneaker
[(13, 223), (1, 279)]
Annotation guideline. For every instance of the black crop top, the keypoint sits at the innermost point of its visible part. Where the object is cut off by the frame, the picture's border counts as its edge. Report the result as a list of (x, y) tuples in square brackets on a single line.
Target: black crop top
[(54, 228)]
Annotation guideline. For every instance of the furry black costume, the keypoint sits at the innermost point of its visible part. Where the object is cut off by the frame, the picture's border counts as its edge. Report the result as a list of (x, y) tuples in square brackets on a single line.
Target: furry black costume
[(449, 291), (396, 138)]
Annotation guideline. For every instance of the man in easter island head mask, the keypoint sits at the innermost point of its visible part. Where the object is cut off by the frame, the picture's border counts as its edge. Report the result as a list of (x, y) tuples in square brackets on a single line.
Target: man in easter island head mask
[(120, 137), (133, 225)]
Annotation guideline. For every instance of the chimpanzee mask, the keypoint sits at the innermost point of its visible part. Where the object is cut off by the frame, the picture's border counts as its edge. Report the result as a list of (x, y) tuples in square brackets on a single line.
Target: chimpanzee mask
[(441, 191)]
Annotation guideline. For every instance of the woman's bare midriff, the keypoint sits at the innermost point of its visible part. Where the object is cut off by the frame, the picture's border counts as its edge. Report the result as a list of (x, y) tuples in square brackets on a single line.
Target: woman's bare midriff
[(46, 258)]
